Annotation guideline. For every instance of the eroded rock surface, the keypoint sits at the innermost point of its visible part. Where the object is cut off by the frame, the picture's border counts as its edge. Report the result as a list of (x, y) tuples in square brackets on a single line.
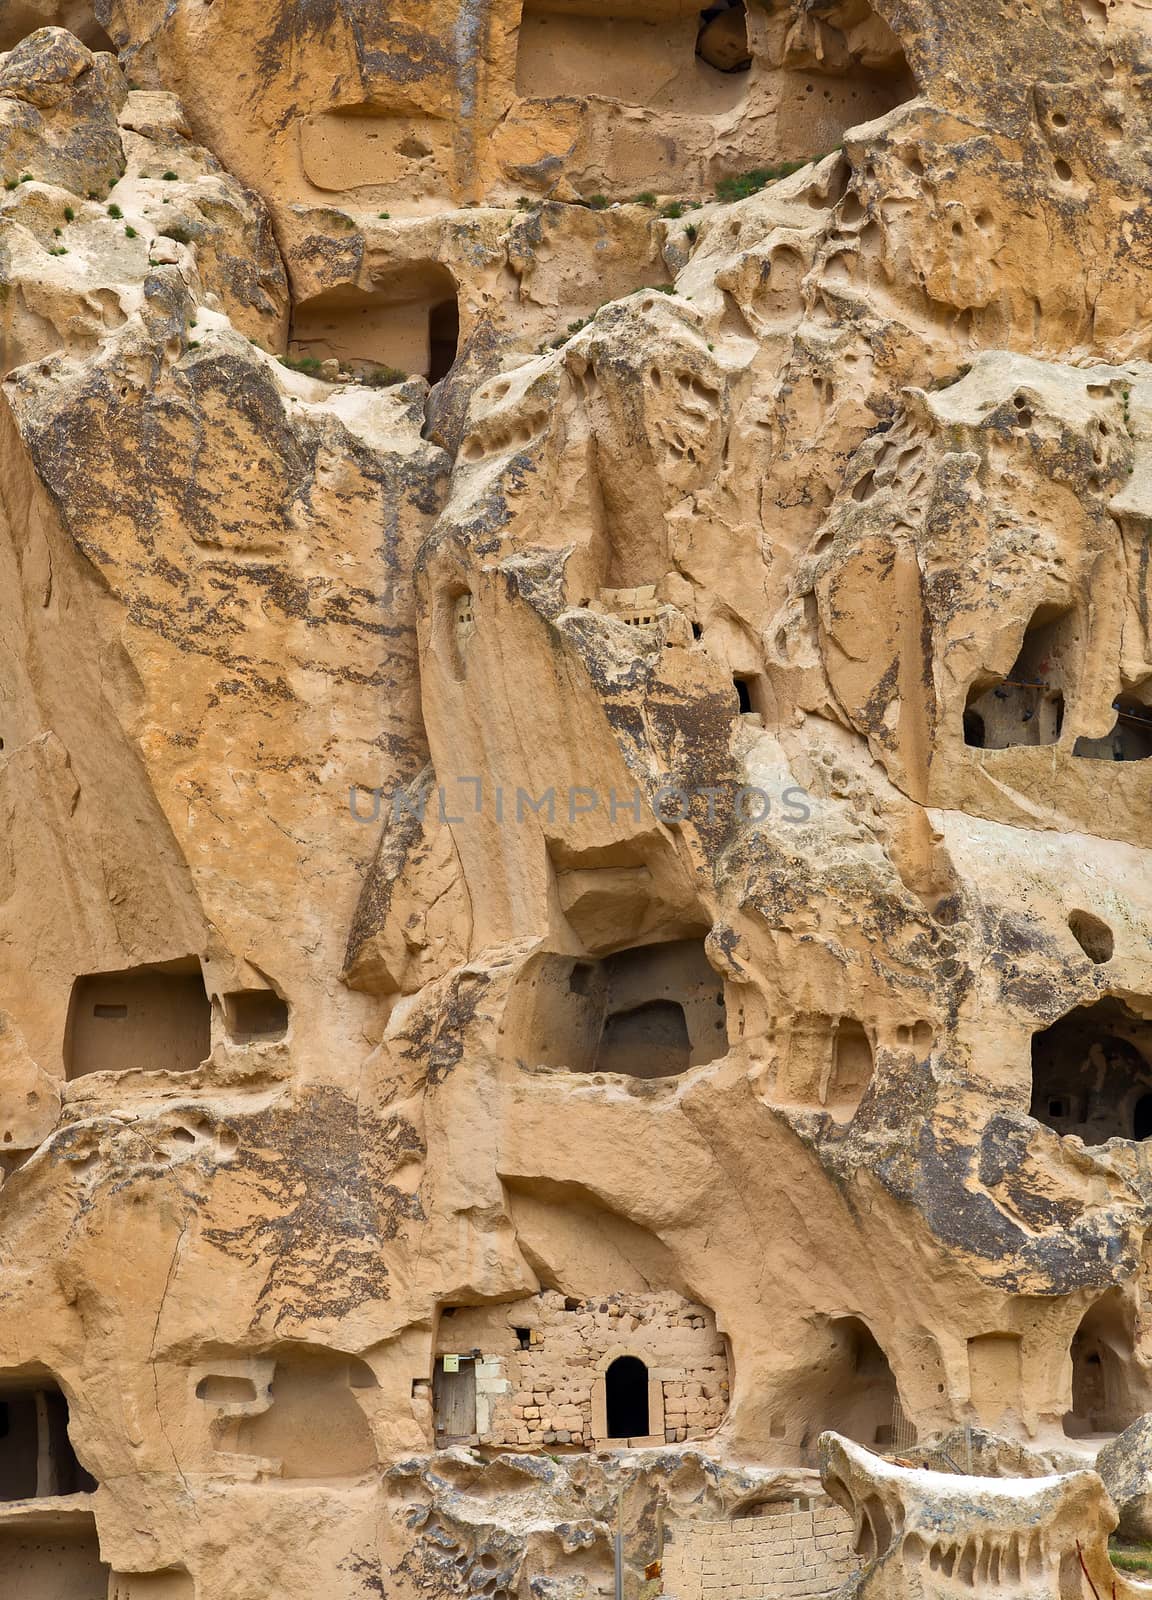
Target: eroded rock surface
[(575, 691), (936, 1534)]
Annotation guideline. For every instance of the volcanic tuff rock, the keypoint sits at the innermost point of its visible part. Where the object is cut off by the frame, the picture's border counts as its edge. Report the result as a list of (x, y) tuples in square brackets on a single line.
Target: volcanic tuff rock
[(1123, 1465), (573, 914), (987, 1535)]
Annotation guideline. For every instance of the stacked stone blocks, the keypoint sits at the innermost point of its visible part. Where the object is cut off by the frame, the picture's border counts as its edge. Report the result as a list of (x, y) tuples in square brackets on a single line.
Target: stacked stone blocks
[(788, 1552)]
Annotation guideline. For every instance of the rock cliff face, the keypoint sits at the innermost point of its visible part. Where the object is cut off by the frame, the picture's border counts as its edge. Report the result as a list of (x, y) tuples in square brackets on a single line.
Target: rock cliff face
[(574, 624)]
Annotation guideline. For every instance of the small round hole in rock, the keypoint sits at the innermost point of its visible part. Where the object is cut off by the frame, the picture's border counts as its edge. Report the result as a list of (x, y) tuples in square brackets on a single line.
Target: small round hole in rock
[(1093, 936)]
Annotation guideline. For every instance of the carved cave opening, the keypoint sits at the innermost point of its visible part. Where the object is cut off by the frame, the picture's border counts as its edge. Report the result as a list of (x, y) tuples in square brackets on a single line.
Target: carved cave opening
[(407, 323), (155, 1017), (651, 1011), (1109, 1391), (36, 1454), (852, 1066), (463, 615), (1026, 707), (843, 65), (994, 1378), (456, 624), (252, 1014), (626, 1398), (752, 696), (225, 1389), (1092, 1073), (651, 53), (77, 16), (857, 1394), (722, 36), (53, 1560), (404, 154), (1130, 738), (1142, 1117), (315, 1426), (443, 337), (828, 1062)]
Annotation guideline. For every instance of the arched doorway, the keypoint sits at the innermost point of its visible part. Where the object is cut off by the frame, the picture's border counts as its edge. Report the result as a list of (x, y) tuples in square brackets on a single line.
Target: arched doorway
[(626, 1398), (1109, 1389), (852, 1390)]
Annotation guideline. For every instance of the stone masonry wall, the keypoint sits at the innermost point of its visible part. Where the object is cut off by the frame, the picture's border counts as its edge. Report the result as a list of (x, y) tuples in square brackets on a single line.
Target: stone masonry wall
[(789, 1550), (552, 1391)]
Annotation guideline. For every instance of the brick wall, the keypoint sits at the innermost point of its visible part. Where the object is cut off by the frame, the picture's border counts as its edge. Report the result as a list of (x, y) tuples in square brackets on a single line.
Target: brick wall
[(782, 1553)]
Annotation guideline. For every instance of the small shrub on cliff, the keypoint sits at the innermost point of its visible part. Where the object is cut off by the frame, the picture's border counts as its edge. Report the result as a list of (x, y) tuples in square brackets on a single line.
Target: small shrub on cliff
[(673, 210), (645, 199), (130, 233), (383, 377), (69, 214), (743, 184), (115, 212), (309, 365), (169, 177), (598, 202)]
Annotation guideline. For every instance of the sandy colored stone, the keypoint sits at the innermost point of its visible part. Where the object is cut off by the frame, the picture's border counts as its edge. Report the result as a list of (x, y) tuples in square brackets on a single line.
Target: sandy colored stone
[(590, 737)]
